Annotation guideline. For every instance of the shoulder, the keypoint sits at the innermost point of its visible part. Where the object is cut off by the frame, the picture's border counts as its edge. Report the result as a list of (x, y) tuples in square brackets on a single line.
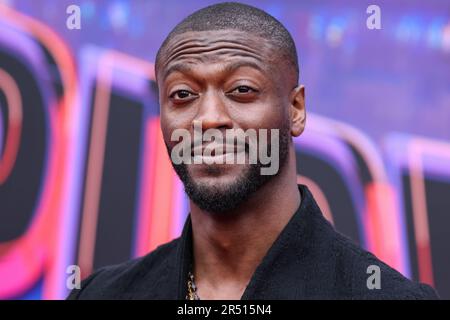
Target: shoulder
[(126, 280), (367, 277)]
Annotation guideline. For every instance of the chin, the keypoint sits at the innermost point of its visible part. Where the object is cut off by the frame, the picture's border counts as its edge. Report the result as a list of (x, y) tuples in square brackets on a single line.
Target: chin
[(217, 173), (220, 188)]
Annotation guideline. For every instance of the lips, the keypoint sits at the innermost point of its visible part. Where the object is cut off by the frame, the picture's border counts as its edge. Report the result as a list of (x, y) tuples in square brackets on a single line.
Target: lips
[(210, 149)]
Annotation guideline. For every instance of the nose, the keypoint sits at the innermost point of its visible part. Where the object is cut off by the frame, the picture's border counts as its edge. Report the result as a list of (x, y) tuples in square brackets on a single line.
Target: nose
[(213, 112)]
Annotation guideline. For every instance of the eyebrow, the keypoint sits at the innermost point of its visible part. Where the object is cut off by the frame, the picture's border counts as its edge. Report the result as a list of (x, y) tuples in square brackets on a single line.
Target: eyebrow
[(230, 67)]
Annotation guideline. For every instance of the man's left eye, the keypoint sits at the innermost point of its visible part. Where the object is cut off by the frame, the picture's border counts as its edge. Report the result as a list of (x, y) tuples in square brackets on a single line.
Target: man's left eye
[(243, 89)]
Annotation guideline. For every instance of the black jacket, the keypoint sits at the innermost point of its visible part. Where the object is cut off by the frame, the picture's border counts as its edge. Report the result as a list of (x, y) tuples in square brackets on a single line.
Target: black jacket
[(309, 260)]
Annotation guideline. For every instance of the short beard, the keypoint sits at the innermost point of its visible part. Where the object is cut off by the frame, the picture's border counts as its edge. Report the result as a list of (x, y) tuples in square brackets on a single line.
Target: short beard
[(219, 199)]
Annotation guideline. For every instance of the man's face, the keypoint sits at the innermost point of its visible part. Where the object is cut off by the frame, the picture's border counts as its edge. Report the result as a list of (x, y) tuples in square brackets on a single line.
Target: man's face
[(224, 80)]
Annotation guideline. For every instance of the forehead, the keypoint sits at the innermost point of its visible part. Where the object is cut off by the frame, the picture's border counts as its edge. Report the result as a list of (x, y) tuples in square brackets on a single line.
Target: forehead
[(235, 48)]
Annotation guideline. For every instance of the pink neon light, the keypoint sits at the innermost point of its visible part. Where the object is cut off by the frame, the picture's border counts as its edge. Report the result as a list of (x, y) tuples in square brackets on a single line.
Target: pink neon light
[(143, 236), (94, 172), (162, 202), (41, 240), (382, 234), (417, 148), (375, 164), (156, 207), (14, 104)]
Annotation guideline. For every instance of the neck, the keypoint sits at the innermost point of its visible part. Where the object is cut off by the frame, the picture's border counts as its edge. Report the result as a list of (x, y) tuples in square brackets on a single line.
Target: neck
[(228, 248)]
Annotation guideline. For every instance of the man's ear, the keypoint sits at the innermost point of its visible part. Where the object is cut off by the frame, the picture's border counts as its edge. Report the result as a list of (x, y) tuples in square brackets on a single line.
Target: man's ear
[(297, 110)]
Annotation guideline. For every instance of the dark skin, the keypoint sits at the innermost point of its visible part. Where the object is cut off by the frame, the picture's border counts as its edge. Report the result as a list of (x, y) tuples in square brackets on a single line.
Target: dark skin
[(230, 79)]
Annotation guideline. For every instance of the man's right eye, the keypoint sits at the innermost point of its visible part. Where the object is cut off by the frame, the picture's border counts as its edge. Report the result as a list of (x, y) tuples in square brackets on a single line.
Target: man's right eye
[(181, 95)]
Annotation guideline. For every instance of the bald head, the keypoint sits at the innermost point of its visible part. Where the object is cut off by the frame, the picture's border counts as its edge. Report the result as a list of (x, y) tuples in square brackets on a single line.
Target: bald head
[(243, 18)]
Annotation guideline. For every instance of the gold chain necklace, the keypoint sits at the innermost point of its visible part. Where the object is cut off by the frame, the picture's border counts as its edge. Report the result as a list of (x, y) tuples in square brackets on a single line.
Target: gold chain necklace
[(191, 288)]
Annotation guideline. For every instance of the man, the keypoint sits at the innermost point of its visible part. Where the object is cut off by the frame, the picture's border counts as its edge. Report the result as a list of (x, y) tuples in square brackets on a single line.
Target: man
[(249, 235)]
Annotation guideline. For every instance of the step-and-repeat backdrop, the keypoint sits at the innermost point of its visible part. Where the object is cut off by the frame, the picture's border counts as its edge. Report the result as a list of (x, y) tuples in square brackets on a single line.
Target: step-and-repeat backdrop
[(85, 179)]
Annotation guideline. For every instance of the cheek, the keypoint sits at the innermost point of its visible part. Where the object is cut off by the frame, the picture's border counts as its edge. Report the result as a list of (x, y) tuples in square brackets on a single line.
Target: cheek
[(171, 121), (166, 128), (271, 114)]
